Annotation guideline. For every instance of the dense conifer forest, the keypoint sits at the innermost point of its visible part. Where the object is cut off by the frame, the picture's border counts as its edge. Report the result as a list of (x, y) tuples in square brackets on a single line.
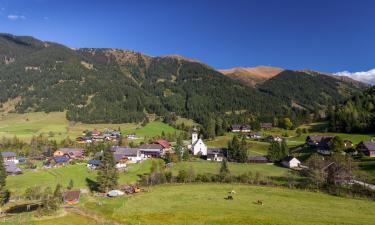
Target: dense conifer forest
[(112, 85)]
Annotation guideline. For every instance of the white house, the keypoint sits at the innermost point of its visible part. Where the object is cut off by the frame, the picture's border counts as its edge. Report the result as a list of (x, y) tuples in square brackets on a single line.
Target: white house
[(290, 162), (197, 146)]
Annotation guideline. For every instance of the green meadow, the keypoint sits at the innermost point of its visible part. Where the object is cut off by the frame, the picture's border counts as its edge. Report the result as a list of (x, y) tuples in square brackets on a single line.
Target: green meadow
[(56, 126), (206, 204)]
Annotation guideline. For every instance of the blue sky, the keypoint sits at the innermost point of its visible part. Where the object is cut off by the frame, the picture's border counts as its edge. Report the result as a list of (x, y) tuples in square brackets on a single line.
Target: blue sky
[(324, 35)]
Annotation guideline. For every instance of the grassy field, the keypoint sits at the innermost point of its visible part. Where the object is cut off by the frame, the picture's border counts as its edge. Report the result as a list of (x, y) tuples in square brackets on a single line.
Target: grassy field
[(205, 204), (62, 175), (26, 125), (235, 168)]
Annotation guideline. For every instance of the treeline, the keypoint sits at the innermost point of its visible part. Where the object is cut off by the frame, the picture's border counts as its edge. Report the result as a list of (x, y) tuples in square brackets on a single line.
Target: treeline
[(355, 115)]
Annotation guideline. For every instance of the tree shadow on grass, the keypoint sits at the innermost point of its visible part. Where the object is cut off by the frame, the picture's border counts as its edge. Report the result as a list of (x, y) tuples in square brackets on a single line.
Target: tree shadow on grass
[(91, 184)]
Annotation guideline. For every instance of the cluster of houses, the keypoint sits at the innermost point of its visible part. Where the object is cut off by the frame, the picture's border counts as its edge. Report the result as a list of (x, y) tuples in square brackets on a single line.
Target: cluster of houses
[(99, 136)]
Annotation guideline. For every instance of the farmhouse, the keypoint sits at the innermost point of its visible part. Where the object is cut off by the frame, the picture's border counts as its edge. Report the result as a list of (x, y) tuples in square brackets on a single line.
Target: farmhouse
[(93, 163), (167, 147), (71, 197), (255, 136), (272, 138), (197, 146), (58, 160), (133, 155), (131, 136), (72, 153), (120, 161), (151, 150), (266, 125), (367, 147), (216, 154), (321, 143), (83, 140), (10, 157), (240, 128), (290, 162), (11, 168)]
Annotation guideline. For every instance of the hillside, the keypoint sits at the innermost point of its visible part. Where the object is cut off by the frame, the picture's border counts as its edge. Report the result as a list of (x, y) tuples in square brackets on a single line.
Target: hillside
[(309, 90), (356, 114), (252, 75), (118, 86)]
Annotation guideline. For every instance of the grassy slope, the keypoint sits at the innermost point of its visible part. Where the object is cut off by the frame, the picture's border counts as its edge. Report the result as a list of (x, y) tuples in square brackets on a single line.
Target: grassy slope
[(205, 204), (235, 168), (25, 126)]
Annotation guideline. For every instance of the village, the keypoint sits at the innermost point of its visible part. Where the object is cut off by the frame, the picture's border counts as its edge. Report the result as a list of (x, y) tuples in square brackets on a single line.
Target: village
[(125, 157)]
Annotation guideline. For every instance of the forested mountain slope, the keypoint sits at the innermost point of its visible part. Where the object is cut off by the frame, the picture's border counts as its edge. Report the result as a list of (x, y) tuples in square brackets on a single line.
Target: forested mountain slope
[(310, 90), (114, 85), (355, 115)]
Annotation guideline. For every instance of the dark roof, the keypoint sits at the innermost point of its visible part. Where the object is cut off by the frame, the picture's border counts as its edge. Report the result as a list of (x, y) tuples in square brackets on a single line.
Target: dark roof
[(266, 125), (94, 162), (151, 147), (211, 151), (118, 157), (61, 159), (8, 154), (287, 158), (240, 127), (324, 141), (258, 158), (370, 145), (71, 195), (317, 138), (11, 167), (125, 151)]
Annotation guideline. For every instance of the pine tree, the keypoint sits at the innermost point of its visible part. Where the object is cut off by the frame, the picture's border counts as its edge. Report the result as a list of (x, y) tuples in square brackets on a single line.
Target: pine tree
[(242, 151), (70, 185), (284, 150), (224, 170), (4, 193), (107, 172), (274, 151)]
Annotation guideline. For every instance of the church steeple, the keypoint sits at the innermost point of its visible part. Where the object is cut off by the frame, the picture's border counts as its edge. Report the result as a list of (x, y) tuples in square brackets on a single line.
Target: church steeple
[(194, 136)]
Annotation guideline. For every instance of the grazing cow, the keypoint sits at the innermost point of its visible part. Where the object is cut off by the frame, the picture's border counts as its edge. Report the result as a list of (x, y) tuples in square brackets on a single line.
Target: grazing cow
[(259, 202)]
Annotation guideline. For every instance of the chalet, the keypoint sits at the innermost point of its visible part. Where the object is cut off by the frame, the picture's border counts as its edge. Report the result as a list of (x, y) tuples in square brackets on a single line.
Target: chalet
[(348, 143), (83, 140), (257, 159), (266, 125), (95, 133), (133, 155), (59, 160), (290, 162), (367, 147), (321, 143), (11, 168), (167, 147), (93, 163), (131, 136), (272, 138), (10, 157), (120, 160), (151, 150), (197, 146), (255, 136), (216, 154), (72, 153), (99, 138), (71, 197), (240, 128)]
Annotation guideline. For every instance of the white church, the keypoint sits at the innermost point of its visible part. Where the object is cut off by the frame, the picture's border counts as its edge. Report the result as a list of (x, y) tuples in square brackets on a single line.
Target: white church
[(197, 146)]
